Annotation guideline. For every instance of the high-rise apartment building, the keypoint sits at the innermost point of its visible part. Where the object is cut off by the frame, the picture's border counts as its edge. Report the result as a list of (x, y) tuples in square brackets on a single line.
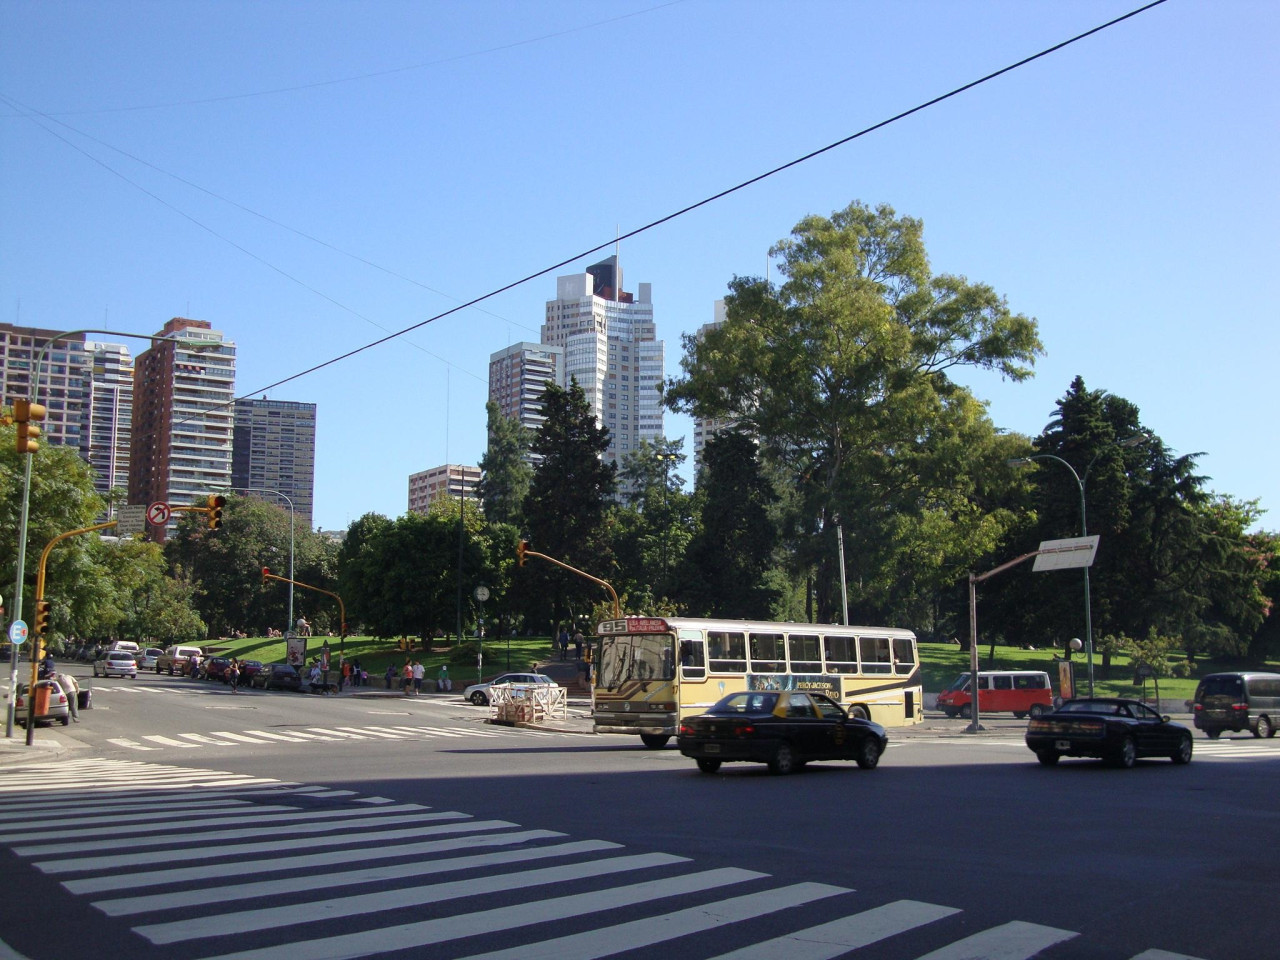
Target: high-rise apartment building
[(517, 377), (450, 480), (108, 415), (180, 450), (704, 428), (64, 379), (274, 450), (611, 348)]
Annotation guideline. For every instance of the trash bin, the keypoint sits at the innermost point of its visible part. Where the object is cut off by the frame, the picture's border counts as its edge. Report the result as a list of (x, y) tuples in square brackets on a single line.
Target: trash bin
[(84, 699), (40, 706)]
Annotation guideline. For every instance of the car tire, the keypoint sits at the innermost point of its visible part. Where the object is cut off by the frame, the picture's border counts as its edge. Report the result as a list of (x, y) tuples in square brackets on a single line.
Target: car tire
[(868, 757), (655, 741), (707, 765), (1183, 753), (1127, 754), (1212, 734), (949, 713), (1019, 715), (1038, 710), (1264, 728), (783, 761), (66, 721), (479, 699), (1048, 758), (95, 673)]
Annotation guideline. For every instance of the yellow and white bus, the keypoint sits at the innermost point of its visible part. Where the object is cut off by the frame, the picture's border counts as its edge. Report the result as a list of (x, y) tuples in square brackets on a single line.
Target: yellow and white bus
[(652, 672)]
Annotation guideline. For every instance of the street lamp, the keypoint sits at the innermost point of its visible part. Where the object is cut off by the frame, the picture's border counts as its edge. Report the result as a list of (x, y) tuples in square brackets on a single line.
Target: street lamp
[(844, 587), (34, 395), (1081, 482)]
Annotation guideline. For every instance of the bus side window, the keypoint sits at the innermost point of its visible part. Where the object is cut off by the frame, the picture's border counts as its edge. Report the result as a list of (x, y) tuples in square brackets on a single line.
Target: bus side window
[(728, 652), (1003, 682), (875, 654), (904, 656), (693, 659), (841, 654)]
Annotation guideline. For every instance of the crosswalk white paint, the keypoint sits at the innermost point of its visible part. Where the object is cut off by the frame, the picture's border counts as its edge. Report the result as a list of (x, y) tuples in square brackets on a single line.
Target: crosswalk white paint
[(348, 876)]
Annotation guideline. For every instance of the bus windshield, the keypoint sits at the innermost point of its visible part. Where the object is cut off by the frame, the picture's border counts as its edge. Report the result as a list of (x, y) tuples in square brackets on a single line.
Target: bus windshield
[(959, 683), (643, 657)]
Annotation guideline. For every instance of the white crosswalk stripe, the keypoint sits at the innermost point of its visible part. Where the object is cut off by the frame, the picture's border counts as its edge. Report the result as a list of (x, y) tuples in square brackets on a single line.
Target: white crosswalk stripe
[(229, 738), (189, 873)]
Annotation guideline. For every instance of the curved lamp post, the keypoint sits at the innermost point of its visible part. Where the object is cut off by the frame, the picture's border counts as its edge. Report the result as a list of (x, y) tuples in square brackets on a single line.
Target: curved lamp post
[(1081, 483)]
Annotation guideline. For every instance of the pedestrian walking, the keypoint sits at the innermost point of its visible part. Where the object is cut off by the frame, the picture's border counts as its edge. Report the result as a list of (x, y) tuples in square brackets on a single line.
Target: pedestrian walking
[(564, 644), (233, 675), (577, 644), (391, 674), (406, 676), (419, 671)]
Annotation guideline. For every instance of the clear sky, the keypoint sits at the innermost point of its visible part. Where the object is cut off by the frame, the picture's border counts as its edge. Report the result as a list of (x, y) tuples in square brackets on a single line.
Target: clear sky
[(310, 176)]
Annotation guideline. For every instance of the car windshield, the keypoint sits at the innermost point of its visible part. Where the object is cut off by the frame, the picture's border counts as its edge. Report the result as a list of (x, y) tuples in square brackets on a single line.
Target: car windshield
[(959, 683), (747, 703)]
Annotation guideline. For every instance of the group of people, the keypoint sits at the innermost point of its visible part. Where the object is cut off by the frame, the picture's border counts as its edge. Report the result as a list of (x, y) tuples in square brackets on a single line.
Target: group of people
[(563, 641), (65, 682), (412, 675)]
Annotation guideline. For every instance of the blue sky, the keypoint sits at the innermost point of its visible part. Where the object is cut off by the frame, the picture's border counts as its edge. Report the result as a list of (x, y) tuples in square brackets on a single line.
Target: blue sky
[(309, 177)]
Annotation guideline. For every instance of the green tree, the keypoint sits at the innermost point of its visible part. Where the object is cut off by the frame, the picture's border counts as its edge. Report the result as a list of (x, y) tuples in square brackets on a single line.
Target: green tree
[(843, 373), (359, 578), (148, 604), (725, 570), (651, 532), (567, 506), (506, 471)]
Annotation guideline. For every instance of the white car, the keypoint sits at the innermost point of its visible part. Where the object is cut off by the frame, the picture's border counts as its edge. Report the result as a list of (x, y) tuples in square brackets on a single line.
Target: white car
[(478, 693), (55, 709), (117, 663)]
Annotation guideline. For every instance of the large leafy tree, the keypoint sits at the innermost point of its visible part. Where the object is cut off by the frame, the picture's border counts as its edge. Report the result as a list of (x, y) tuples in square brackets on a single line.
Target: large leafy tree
[(844, 374), (148, 604), (358, 572), (725, 570), (506, 471), (652, 531), (567, 505)]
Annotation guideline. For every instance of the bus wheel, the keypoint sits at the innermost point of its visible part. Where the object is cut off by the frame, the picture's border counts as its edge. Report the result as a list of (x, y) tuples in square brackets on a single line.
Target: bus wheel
[(707, 765), (654, 741), (859, 713), (784, 760)]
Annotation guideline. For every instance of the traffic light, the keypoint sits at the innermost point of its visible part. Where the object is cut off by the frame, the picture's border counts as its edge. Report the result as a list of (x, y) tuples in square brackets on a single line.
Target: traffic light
[(24, 411), (216, 502), (266, 572), (521, 547), (42, 617)]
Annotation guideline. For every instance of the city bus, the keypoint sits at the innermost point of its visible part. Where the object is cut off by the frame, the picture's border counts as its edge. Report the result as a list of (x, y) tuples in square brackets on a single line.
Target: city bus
[(652, 672)]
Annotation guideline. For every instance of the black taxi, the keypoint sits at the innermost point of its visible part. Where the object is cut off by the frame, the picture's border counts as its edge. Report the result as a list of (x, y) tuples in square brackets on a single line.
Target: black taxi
[(785, 729)]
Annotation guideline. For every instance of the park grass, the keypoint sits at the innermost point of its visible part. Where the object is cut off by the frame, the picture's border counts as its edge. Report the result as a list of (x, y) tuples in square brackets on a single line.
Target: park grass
[(376, 654), (941, 663)]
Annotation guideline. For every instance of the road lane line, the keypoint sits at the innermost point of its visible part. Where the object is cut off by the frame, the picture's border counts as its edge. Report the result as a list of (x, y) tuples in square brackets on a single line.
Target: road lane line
[(1016, 940), (829, 940), (168, 741), (172, 900), (447, 929)]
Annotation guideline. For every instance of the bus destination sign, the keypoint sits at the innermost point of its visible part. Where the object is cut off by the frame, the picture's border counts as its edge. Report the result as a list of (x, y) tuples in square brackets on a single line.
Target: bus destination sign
[(633, 625)]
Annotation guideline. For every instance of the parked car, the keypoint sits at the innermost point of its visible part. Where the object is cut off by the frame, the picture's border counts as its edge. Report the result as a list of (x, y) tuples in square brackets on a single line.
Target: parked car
[(127, 645), (177, 659), (785, 729), (55, 711), (1020, 692), (215, 668), (478, 693), (148, 657), (1109, 728), (1238, 701), (116, 663), (278, 676)]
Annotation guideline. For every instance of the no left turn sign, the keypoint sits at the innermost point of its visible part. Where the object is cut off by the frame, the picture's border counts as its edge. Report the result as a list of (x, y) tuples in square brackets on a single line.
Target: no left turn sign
[(158, 513)]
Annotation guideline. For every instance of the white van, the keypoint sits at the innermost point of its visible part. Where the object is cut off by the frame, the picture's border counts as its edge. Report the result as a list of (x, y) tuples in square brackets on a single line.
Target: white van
[(128, 646)]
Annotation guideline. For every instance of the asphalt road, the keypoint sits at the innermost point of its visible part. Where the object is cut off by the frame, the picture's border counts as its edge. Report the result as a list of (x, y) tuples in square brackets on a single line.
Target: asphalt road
[(180, 821)]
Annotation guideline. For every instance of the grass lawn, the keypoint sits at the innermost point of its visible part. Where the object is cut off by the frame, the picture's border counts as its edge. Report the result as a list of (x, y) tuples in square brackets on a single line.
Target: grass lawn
[(375, 654), (940, 663)]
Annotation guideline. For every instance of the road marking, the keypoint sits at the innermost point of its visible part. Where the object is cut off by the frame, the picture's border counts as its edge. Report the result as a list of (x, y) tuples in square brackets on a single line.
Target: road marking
[(594, 944), (275, 736), (179, 819), (238, 737), (829, 940), (168, 741), (370, 731), (131, 744), (446, 929), (1010, 941), (1163, 955), (201, 738)]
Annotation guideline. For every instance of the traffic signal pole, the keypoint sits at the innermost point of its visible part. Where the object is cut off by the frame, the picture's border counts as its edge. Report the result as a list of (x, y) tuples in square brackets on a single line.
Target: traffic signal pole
[(522, 551), (342, 608)]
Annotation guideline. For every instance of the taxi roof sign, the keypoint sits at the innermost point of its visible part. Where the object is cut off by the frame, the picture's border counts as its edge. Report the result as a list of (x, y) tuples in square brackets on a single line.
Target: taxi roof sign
[(633, 625)]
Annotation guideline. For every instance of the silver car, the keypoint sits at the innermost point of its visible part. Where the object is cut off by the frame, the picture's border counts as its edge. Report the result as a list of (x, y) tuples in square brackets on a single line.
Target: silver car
[(147, 658), (116, 663), (53, 710), (478, 693)]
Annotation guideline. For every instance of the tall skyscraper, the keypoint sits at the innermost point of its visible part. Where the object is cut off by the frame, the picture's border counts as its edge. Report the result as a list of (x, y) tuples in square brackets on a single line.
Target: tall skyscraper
[(611, 348), (182, 415), (274, 449), (64, 379), (108, 415)]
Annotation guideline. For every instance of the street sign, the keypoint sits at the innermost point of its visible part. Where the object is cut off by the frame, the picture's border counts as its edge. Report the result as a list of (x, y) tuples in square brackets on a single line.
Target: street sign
[(158, 513), (131, 520), (17, 632), (1064, 554)]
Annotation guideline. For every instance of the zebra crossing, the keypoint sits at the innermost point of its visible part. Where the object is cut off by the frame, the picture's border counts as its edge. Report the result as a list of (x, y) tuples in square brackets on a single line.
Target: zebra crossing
[(240, 738), (177, 855)]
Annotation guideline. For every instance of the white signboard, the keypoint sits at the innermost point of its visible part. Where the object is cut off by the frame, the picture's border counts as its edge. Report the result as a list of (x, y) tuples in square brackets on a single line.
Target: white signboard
[(1064, 554), (131, 520)]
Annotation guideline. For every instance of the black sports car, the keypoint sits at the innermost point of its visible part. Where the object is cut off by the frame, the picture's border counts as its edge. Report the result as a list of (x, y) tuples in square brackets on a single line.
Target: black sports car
[(784, 729), (1113, 729)]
